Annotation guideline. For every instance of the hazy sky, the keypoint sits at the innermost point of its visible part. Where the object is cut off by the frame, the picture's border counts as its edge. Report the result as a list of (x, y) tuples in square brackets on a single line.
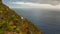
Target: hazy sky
[(37, 1), (33, 3)]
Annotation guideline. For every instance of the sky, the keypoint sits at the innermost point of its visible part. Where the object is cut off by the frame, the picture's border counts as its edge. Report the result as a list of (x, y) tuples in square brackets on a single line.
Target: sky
[(44, 4)]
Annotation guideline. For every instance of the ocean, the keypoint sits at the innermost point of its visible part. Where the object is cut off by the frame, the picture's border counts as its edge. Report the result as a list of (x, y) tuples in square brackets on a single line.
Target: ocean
[(48, 21)]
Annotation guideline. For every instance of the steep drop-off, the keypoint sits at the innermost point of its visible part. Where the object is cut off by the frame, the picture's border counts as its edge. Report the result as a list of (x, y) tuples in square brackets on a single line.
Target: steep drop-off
[(12, 23)]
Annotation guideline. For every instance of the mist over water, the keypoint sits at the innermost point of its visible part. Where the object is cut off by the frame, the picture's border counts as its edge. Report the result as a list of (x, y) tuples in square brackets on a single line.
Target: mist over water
[(48, 21)]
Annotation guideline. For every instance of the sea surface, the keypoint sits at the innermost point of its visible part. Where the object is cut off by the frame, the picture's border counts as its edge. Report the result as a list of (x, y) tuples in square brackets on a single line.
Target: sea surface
[(48, 21)]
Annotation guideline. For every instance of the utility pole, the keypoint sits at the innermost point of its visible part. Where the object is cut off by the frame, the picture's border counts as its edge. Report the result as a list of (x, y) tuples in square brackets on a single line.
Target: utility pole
[(0, 1)]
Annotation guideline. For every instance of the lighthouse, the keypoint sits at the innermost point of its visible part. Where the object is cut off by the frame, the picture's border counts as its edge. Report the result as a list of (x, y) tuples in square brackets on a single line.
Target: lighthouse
[(0, 1)]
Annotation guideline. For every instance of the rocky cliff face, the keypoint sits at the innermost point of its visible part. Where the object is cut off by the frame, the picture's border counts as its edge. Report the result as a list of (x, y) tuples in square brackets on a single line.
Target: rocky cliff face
[(12, 23)]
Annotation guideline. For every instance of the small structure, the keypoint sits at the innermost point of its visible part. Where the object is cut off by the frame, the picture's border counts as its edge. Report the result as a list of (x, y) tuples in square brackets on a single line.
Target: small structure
[(22, 18)]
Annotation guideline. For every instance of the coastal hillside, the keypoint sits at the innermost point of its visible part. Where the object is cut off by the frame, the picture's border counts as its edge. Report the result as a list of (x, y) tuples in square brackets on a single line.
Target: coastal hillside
[(12, 23)]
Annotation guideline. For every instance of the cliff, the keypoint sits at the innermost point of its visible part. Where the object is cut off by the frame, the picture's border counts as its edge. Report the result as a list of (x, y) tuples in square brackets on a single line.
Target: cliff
[(12, 23)]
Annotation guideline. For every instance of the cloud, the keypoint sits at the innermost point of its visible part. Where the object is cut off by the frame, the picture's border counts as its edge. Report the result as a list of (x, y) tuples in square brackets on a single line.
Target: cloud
[(32, 5), (53, 2)]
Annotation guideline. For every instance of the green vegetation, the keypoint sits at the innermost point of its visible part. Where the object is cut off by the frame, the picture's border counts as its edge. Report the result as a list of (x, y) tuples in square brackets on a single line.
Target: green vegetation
[(11, 23)]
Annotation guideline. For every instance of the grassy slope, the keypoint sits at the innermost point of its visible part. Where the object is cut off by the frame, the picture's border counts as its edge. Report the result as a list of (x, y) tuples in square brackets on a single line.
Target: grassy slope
[(11, 22)]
